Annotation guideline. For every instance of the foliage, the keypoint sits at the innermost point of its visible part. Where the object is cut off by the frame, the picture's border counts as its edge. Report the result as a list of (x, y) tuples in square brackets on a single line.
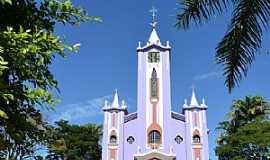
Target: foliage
[(28, 46), (74, 142), (245, 135), (238, 48), (6, 1)]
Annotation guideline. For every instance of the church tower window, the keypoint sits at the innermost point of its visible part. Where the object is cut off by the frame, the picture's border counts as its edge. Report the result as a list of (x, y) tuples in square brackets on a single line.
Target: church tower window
[(154, 85), (113, 139), (196, 139), (153, 57), (154, 137)]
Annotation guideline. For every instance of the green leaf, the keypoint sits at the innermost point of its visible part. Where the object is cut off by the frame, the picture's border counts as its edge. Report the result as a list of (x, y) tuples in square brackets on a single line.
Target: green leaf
[(243, 39), (3, 114), (6, 1), (28, 47)]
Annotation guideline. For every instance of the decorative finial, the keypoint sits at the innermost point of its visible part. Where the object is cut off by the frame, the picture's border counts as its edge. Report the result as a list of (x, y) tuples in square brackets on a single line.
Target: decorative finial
[(123, 103), (185, 101), (167, 43), (140, 44), (203, 101), (193, 97), (154, 17), (138, 149), (105, 104), (115, 103), (171, 149)]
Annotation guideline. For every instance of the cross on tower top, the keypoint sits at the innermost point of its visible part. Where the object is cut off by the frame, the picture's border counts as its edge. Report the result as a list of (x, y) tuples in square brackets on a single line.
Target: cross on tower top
[(154, 17)]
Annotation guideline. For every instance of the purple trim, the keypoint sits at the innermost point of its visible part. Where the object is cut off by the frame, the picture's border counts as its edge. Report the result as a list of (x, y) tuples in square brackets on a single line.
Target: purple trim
[(153, 46), (178, 116), (116, 110), (194, 108), (130, 117)]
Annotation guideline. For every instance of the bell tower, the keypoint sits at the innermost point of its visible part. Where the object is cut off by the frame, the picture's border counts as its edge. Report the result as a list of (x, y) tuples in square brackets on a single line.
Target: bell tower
[(196, 128), (112, 127), (153, 87)]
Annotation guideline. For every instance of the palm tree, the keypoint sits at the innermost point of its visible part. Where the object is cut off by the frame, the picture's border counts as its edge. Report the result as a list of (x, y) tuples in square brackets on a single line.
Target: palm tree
[(238, 48), (245, 110), (245, 130), (249, 109)]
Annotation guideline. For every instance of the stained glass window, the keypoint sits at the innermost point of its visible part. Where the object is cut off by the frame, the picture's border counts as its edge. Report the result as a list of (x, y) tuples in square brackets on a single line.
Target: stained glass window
[(154, 84)]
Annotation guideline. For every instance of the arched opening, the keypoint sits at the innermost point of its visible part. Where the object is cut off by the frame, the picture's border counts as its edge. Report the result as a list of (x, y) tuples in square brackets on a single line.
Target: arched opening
[(196, 139), (154, 137), (113, 139)]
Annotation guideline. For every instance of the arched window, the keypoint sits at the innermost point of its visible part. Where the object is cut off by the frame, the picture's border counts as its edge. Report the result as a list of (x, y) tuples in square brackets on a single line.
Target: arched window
[(154, 84), (196, 139), (113, 139), (154, 137)]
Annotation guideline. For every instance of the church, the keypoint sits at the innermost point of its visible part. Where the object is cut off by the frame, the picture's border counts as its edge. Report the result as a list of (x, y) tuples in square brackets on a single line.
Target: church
[(154, 131)]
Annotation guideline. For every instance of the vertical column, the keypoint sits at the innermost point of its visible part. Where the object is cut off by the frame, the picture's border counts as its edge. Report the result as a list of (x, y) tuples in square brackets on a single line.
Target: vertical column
[(122, 139), (141, 99), (205, 151), (105, 137), (188, 133)]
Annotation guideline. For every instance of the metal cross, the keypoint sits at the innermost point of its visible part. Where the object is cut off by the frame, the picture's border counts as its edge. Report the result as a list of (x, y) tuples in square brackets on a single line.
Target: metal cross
[(154, 13)]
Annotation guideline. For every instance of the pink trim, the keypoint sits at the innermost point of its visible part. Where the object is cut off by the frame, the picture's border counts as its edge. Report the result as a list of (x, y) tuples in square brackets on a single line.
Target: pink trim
[(197, 153), (113, 120)]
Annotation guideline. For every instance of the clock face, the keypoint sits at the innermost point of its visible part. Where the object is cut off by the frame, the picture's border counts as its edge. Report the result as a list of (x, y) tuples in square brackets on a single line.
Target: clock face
[(153, 57)]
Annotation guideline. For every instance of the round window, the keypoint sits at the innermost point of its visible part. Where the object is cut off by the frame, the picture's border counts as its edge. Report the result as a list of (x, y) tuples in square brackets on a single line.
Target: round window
[(130, 139), (178, 139)]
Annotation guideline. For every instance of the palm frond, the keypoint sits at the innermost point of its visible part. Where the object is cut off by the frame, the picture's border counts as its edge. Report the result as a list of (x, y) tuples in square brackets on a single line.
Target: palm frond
[(239, 46), (199, 11)]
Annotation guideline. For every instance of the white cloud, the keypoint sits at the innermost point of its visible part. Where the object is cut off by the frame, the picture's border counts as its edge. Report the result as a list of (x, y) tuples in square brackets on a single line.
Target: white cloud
[(83, 112), (215, 74), (77, 111)]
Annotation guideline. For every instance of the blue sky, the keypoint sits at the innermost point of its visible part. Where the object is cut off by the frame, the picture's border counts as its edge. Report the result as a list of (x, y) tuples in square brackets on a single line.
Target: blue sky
[(108, 60)]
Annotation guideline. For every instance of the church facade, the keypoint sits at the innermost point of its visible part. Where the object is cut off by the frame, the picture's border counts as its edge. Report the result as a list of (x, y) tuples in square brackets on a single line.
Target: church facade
[(155, 132)]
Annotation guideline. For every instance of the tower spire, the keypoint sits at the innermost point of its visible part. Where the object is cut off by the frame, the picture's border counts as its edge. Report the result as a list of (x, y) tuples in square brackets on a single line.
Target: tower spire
[(194, 101), (115, 103)]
